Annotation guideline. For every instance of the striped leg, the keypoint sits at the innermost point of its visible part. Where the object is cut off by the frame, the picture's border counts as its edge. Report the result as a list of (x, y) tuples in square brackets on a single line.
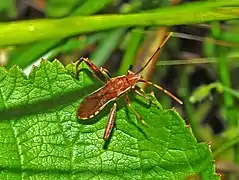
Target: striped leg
[(101, 73), (110, 123), (138, 116), (144, 96)]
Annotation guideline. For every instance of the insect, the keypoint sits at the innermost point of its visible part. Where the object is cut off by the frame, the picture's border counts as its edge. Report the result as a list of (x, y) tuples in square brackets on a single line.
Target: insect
[(113, 88)]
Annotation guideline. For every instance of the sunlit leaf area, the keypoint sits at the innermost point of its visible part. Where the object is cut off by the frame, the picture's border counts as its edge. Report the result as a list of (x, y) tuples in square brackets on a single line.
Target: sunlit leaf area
[(119, 89)]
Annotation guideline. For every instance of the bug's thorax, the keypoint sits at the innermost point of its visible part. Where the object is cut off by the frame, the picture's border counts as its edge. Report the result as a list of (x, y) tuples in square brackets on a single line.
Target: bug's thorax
[(133, 78)]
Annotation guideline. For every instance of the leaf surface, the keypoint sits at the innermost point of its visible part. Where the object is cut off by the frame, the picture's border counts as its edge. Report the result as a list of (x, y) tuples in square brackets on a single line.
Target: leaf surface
[(41, 138)]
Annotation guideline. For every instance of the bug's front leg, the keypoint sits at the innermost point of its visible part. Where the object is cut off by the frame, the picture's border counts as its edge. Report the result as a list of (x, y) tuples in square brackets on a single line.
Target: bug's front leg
[(131, 107), (143, 94), (102, 74), (110, 123), (106, 72)]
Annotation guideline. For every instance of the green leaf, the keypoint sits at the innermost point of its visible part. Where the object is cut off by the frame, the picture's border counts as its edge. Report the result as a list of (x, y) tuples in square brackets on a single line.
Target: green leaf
[(18, 32), (204, 91), (41, 138)]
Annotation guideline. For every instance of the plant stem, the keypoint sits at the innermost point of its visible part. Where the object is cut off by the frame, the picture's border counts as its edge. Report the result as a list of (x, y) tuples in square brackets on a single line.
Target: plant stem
[(34, 30)]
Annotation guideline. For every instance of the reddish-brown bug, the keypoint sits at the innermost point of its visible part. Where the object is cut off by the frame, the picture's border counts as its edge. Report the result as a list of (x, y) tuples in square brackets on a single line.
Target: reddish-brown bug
[(113, 89)]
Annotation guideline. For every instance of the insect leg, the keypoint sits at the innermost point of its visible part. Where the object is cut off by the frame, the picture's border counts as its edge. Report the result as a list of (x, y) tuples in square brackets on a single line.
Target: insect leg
[(106, 72), (97, 72), (144, 96), (164, 90), (131, 107), (110, 123)]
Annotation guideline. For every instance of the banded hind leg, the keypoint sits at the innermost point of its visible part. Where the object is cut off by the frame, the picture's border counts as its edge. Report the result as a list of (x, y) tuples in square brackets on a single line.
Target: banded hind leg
[(101, 73), (111, 122)]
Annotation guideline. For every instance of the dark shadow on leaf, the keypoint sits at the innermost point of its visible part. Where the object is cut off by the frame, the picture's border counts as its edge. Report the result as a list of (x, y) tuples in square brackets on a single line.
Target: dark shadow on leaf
[(107, 142), (53, 171), (47, 105), (31, 171)]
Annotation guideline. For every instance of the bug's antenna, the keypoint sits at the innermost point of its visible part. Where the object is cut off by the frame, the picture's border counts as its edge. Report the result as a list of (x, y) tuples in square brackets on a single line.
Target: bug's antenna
[(153, 56)]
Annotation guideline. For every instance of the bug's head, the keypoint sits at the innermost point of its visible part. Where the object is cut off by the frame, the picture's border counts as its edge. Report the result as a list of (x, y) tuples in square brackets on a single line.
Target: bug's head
[(133, 78), (130, 70)]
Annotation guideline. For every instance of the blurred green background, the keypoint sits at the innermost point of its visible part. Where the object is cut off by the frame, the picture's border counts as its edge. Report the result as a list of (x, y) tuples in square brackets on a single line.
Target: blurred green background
[(199, 63)]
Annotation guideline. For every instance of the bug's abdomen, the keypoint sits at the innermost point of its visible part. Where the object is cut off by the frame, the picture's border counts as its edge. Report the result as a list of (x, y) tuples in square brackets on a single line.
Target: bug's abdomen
[(92, 104)]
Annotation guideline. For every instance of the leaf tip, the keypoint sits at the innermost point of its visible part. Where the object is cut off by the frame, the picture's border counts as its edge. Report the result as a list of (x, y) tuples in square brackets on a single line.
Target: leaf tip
[(192, 99), (17, 71), (57, 63), (43, 60), (188, 126), (209, 145), (219, 174)]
